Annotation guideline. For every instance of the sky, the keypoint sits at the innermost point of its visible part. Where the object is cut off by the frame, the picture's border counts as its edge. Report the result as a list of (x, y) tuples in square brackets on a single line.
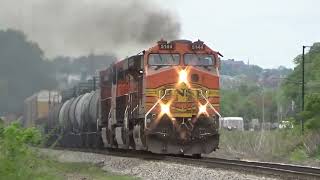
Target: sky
[(268, 33)]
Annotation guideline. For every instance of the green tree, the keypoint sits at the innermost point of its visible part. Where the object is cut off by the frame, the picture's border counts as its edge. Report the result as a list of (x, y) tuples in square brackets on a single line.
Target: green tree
[(292, 87), (247, 101), (312, 113)]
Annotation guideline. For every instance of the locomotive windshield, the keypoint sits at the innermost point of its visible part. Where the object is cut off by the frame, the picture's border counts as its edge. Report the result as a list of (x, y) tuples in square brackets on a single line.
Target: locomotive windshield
[(164, 59), (199, 59)]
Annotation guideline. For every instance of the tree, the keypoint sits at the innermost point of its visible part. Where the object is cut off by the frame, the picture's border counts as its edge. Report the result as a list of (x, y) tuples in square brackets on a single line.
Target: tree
[(312, 113), (292, 87), (23, 70)]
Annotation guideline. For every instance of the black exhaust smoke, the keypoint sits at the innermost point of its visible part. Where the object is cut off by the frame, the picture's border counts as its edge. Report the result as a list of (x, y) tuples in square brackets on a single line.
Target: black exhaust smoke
[(78, 27)]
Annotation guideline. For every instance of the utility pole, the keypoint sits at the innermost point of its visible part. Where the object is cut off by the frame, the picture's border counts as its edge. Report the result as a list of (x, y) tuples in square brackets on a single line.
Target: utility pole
[(302, 90), (302, 87), (262, 105), (262, 93)]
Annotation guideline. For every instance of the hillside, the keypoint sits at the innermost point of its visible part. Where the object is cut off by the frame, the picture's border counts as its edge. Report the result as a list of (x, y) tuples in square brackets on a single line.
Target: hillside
[(251, 92), (233, 73)]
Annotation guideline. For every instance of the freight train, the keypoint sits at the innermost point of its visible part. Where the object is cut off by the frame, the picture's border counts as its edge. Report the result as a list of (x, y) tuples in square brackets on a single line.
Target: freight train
[(163, 100)]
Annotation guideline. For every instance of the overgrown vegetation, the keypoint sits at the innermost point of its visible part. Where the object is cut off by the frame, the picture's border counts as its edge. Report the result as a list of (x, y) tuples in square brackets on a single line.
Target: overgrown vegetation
[(280, 145), (18, 161), (292, 88)]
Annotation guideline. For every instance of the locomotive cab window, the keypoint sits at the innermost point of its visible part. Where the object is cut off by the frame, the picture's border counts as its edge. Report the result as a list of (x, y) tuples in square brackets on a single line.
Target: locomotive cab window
[(199, 60), (160, 60)]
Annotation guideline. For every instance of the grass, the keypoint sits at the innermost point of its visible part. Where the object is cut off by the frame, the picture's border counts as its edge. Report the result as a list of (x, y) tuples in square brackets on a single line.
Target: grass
[(56, 170), (265, 145), (39, 167), (278, 145), (298, 155)]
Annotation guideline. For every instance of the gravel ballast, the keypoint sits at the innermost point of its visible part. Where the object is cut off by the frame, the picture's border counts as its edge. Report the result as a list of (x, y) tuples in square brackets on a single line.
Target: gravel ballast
[(149, 169)]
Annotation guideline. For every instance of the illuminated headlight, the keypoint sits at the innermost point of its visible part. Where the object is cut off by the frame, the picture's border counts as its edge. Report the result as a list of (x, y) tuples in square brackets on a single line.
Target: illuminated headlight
[(202, 109), (183, 76), (165, 109)]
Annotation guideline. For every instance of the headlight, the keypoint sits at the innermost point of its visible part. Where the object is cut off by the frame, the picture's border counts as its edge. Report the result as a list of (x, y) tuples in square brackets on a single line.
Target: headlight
[(165, 109), (183, 76), (202, 109)]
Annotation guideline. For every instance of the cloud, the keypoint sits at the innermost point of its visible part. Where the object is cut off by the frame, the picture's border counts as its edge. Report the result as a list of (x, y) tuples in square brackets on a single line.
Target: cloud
[(77, 27)]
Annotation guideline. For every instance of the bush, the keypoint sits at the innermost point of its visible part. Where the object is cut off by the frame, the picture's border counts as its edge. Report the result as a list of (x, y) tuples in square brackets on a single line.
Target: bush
[(17, 159), (298, 154), (312, 115), (311, 143)]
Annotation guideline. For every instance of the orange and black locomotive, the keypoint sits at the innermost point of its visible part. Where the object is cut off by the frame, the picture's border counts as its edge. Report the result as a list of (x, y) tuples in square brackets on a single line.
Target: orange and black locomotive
[(163, 100)]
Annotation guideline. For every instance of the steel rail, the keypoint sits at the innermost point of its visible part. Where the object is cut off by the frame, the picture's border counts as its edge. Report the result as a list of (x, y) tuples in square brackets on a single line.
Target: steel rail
[(284, 171)]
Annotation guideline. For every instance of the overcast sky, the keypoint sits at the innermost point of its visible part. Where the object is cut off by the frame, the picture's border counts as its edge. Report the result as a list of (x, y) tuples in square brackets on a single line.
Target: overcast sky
[(267, 32)]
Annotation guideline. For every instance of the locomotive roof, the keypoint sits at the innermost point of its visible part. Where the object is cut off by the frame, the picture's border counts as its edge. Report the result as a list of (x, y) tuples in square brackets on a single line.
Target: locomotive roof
[(186, 44)]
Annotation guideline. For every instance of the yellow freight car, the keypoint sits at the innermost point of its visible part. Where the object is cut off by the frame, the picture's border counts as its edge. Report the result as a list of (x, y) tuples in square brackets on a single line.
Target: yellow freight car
[(36, 107)]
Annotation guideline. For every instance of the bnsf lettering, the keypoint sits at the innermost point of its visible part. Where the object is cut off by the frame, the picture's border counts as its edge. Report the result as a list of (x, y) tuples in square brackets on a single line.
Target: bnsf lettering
[(185, 92)]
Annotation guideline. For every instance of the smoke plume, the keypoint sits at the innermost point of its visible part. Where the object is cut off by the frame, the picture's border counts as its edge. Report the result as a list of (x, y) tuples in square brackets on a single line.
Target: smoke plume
[(78, 27)]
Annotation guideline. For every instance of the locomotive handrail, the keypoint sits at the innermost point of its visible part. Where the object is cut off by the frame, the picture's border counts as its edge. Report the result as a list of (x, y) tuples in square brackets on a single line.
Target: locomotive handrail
[(126, 112), (109, 117), (146, 115), (210, 105), (127, 108), (217, 71), (126, 117), (106, 99), (134, 109)]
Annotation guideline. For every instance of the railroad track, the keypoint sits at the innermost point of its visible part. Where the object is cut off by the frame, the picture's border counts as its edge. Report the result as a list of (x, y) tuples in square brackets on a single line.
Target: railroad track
[(284, 171)]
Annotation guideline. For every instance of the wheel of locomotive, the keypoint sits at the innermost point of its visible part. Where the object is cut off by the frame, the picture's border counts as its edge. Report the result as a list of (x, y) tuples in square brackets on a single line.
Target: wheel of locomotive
[(131, 140), (126, 139)]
